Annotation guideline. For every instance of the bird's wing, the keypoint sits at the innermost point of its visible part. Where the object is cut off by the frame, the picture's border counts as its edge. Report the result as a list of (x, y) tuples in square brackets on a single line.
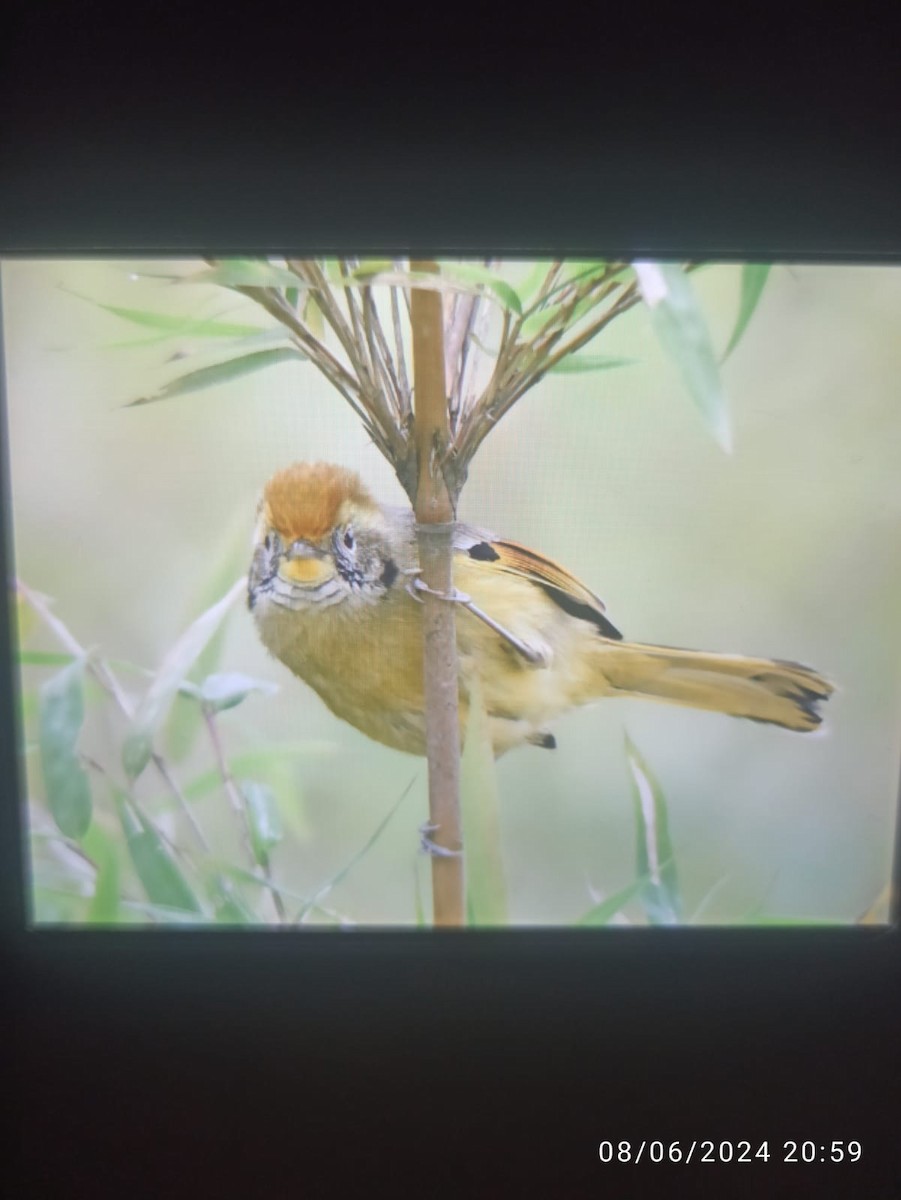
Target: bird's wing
[(515, 559)]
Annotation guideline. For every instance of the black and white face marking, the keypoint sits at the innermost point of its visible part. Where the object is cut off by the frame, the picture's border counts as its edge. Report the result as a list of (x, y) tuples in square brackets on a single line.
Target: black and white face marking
[(263, 567), (362, 571), (363, 562)]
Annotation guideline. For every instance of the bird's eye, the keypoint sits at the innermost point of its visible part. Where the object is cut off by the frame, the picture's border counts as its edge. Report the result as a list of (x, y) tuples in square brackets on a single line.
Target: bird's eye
[(349, 538), (268, 542)]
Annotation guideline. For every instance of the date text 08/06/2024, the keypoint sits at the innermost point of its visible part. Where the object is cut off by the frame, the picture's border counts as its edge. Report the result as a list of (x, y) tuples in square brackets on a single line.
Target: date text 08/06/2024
[(726, 1151)]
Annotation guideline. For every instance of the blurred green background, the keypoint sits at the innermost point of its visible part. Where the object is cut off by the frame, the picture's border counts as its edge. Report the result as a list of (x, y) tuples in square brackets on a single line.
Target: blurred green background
[(136, 520)]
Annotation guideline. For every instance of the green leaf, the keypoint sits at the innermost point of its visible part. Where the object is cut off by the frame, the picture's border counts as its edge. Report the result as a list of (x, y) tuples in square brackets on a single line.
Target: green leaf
[(362, 273), (252, 341), (529, 286), (549, 314), (533, 325), (171, 324), (486, 889), (158, 872), (577, 268), (313, 318), (580, 272), (456, 277), (229, 907), (219, 373), (167, 680), (220, 692), (576, 364), (473, 273), (137, 750), (101, 849), (681, 329), (753, 278), (246, 272), (606, 910), (655, 863), (263, 819), (37, 658), (60, 717)]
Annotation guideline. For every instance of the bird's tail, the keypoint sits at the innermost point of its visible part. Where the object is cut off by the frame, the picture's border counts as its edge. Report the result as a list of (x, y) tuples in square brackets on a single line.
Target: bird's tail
[(761, 689)]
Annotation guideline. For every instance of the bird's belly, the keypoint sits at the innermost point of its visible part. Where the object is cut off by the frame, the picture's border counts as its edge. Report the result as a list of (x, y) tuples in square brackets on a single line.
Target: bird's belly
[(370, 673)]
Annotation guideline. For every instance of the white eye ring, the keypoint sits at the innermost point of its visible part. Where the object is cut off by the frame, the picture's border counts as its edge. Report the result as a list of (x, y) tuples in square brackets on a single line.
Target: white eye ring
[(348, 538)]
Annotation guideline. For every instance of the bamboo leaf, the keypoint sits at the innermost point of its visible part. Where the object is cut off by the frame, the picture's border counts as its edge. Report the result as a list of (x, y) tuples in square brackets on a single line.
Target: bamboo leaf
[(219, 373), (158, 872), (60, 717), (171, 324), (220, 692), (450, 280), (753, 278), (577, 364), (246, 272), (263, 819), (533, 325), (101, 849), (486, 889), (483, 276), (229, 907), (137, 750), (178, 662), (529, 286), (37, 658), (655, 863), (259, 337), (580, 272), (606, 910), (312, 317), (681, 329)]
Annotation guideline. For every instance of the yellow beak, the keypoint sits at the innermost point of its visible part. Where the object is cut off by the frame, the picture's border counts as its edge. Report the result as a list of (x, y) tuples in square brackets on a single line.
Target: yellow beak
[(308, 566)]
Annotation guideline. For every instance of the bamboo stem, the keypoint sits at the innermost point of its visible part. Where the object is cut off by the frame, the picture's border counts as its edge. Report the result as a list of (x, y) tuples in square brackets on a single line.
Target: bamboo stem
[(435, 512)]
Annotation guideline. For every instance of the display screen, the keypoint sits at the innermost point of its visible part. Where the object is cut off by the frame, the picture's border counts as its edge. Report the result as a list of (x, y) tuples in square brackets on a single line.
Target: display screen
[(673, 578)]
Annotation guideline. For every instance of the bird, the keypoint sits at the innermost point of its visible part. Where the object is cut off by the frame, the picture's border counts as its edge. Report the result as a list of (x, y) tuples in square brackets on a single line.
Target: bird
[(333, 589)]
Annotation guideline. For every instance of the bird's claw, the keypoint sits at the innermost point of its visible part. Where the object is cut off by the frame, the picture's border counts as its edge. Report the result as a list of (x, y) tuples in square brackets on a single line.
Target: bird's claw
[(417, 584), (427, 846), (538, 657)]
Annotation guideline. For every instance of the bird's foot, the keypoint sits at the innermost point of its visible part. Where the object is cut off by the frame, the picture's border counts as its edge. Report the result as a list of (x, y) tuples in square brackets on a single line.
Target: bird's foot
[(538, 657), (416, 585), (427, 846)]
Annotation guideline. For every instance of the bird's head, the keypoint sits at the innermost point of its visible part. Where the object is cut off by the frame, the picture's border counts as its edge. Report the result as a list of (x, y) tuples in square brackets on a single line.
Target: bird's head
[(320, 539)]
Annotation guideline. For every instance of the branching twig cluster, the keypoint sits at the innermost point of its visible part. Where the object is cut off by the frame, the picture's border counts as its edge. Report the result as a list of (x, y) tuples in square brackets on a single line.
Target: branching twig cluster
[(369, 366)]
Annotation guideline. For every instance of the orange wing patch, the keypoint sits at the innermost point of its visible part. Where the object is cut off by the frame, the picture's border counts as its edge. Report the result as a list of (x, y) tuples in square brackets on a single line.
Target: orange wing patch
[(562, 587), (304, 500)]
